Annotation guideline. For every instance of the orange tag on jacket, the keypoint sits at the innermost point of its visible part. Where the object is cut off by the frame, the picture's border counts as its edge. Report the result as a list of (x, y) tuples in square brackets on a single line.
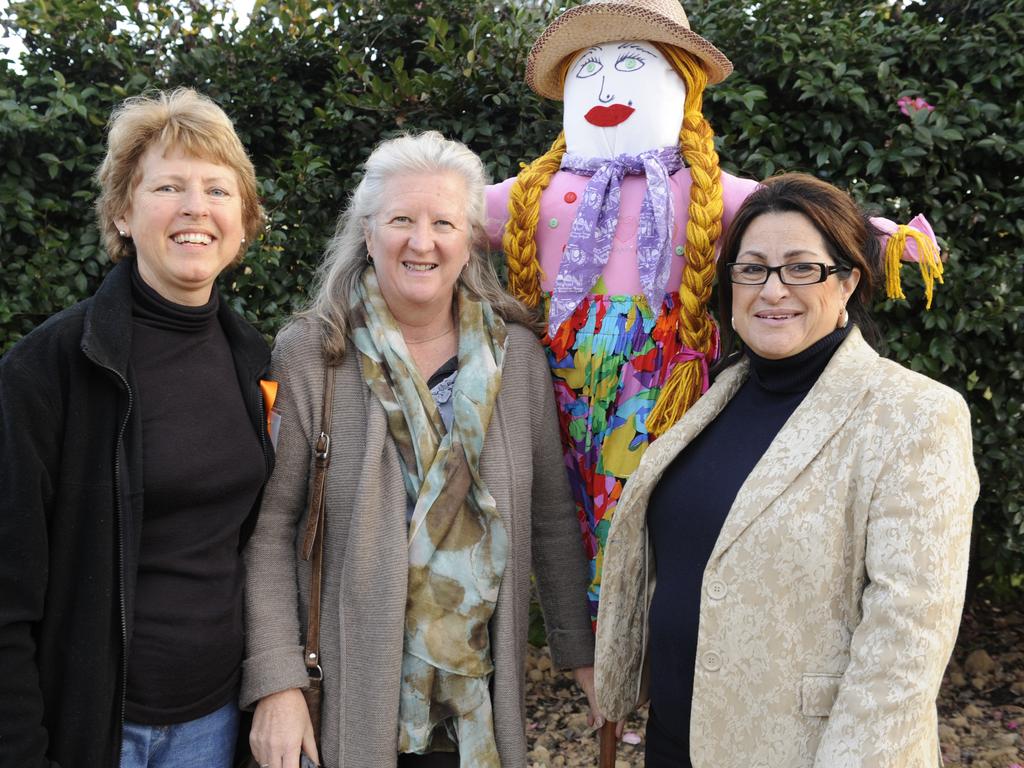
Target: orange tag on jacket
[(269, 390)]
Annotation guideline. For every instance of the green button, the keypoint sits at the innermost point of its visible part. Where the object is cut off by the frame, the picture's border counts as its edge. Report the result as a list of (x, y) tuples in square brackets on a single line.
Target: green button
[(553, 223), (679, 250)]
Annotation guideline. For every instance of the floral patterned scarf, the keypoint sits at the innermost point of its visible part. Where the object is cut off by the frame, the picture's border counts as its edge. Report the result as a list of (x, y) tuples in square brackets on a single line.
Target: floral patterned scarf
[(457, 542)]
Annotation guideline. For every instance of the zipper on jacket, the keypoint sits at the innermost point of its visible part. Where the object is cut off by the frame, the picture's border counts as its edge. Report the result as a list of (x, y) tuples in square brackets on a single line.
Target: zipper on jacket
[(121, 558), (261, 426)]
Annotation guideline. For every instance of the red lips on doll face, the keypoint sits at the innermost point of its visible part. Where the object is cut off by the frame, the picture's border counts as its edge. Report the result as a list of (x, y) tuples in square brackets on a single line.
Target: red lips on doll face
[(606, 117)]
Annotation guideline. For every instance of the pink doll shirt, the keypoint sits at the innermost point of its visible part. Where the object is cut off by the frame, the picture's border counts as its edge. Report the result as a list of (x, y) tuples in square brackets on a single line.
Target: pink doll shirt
[(558, 205)]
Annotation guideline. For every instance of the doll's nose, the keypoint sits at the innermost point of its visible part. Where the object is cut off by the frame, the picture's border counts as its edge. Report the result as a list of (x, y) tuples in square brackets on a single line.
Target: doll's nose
[(604, 99)]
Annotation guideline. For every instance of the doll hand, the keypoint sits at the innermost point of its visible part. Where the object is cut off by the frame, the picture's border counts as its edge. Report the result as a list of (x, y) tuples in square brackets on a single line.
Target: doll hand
[(910, 247)]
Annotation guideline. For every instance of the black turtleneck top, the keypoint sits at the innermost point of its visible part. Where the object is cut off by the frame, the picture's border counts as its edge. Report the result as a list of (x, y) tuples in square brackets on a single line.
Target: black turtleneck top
[(686, 512), (202, 472)]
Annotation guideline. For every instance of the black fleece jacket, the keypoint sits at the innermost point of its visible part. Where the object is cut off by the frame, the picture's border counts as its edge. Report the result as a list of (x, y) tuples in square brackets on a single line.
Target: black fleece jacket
[(70, 521)]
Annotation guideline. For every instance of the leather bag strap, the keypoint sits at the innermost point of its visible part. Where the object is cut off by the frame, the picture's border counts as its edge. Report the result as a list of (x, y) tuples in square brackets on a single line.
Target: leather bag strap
[(313, 543), (322, 453)]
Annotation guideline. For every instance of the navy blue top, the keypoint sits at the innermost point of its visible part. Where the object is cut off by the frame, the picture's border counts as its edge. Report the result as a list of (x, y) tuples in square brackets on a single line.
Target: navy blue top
[(686, 512)]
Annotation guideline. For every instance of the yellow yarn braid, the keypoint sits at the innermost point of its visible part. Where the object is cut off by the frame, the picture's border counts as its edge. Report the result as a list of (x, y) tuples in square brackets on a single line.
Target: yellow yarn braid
[(520, 239), (696, 328), (928, 260)]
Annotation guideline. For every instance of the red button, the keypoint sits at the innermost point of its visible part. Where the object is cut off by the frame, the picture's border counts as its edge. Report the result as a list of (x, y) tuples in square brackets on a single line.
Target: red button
[(570, 197)]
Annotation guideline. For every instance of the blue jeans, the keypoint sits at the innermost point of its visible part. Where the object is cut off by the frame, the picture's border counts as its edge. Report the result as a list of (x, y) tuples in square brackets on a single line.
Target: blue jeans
[(208, 742)]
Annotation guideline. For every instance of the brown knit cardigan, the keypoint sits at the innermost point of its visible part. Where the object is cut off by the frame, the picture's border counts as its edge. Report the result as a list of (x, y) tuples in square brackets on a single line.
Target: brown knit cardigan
[(365, 551)]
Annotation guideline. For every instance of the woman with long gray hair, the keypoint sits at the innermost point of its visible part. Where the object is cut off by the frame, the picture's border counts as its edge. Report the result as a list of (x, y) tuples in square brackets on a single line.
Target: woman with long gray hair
[(445, 487)]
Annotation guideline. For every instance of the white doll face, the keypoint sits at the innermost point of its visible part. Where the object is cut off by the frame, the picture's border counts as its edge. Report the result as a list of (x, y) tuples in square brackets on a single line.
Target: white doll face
[(621, 98)]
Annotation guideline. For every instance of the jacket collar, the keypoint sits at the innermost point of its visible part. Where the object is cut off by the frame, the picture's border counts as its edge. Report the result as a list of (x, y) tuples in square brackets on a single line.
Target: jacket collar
[(107, 332), (831, 402), (249, 348)]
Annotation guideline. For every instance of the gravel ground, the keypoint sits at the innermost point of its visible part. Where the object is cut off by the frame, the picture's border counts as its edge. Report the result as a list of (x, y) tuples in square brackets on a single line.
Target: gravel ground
[(981, 704)]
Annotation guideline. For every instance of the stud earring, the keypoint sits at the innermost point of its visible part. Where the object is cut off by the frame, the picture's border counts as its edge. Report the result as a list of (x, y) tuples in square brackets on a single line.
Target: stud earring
[(243, 241), (122, 233)]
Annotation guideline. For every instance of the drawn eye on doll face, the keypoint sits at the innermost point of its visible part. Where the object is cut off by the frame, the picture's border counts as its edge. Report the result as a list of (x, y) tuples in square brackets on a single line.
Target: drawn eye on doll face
[(629, 61), (590, 65), (627, 87)]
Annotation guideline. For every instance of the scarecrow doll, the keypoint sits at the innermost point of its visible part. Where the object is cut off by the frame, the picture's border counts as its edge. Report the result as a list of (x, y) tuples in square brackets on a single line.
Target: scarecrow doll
[(613, 233)]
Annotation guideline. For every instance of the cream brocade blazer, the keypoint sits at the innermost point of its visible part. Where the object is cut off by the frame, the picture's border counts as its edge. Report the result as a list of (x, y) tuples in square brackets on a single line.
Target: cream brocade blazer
[(831, 600)]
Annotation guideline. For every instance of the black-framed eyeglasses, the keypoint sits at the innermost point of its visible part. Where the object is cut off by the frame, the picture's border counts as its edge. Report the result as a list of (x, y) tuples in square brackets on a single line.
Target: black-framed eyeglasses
[(794, 273)]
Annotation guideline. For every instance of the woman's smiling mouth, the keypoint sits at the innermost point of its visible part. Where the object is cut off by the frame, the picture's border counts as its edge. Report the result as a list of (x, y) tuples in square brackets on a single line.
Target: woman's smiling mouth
[(776, 316), (192, 238)]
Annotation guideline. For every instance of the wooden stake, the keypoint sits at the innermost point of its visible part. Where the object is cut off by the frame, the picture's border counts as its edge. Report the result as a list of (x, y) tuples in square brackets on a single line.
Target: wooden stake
[(608, 745)]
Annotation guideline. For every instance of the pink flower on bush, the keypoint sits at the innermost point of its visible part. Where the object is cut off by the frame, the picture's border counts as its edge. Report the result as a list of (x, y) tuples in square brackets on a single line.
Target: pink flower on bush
[(907, 104)]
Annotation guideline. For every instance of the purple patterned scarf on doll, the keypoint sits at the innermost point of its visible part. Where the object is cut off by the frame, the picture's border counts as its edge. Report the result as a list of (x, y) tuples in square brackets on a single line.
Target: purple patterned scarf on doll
[(590, 238)]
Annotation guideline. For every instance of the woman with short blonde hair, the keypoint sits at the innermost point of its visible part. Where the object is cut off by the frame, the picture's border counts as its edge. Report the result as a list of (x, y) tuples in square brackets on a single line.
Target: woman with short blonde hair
[(133, 452)]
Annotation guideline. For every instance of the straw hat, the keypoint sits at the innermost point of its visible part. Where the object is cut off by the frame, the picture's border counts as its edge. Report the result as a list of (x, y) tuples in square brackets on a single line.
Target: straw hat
[(604, 21)]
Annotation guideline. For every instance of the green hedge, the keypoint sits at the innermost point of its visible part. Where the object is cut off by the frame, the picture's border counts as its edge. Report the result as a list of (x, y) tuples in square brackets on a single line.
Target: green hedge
[(313, 85)]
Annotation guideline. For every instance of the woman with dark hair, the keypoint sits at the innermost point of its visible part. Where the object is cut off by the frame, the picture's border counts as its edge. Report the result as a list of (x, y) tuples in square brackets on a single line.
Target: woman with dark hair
[(806, 522)]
